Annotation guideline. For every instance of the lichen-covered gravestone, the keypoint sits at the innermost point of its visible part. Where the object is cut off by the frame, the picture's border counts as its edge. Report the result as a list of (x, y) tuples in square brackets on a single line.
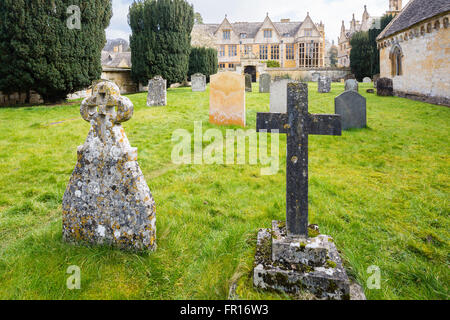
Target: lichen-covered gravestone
[(264, 83), (351, 85), (198, 82), (367, 80), (324, 84), (352, 108), (157, 92), (107, 200), (248, 82), (385, 87)]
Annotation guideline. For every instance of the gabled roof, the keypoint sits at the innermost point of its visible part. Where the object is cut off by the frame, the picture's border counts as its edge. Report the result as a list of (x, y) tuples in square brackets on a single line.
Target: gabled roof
[(285, 29), (116, 59), (415, 12)]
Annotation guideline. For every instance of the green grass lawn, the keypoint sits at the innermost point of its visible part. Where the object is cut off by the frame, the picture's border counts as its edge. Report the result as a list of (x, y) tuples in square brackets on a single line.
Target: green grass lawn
[(381, 192)]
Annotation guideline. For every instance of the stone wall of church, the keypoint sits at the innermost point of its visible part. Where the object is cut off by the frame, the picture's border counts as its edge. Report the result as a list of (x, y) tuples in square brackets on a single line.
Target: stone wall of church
[(425, 63)]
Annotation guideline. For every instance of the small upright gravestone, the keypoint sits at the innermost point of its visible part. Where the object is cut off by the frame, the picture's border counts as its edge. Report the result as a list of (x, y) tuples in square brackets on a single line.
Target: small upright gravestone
[(287, 259), (107, 200), (198, 82), (227, 99), (385, 87), (324, 84), (248, 82), (367, 80), (351, 85), (375, 79), (264, 83), (352, 108), (278, 95), (157, 92)]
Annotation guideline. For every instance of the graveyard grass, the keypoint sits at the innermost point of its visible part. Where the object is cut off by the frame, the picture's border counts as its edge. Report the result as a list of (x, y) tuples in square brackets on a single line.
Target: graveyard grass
[(381, 192)]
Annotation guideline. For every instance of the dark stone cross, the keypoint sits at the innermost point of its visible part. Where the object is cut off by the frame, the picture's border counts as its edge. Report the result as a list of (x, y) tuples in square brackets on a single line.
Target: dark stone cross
[(298, 123)]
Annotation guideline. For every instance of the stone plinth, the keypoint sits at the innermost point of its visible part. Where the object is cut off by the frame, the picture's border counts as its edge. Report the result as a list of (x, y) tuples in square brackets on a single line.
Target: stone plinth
[(351, 85), (264, 83), (324, 85), (198, 82), (107, 201), (227, 99), (157, 92), (315, 265)]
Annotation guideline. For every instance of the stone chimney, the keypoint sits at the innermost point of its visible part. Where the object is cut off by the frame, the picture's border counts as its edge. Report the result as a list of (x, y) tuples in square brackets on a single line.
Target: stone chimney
[(285, 20)]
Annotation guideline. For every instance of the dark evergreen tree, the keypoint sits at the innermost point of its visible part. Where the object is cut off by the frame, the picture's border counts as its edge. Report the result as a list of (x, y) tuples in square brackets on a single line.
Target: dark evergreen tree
[(360, 55), (38, 51), (373, 34), (203, 60), (161, 39)]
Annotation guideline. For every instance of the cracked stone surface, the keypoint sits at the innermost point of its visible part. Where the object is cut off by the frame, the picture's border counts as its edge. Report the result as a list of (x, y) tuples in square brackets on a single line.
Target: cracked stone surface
[(107, 201)]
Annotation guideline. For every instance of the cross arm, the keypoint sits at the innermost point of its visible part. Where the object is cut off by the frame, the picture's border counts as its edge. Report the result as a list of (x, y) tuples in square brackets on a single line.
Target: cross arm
[(325, 124), (272, 121)]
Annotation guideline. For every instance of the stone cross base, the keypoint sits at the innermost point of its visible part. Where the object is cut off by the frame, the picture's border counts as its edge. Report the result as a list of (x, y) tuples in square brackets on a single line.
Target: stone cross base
[(293, 265)]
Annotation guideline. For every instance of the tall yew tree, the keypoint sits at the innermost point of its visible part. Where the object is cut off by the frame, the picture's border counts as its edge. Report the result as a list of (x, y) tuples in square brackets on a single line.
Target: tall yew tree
[(161, 39), (38, 50), (360, 55)]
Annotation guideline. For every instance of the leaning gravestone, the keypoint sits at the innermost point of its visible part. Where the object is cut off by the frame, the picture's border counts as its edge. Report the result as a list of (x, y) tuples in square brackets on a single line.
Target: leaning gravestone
[(385, 87), (287, 259), (351, 85), (264, 83), (248, 82), (157, 92), (227, 99), (367, 80), (107, 200), (278, 95), (324, 84), (352, 108), (198, 82)]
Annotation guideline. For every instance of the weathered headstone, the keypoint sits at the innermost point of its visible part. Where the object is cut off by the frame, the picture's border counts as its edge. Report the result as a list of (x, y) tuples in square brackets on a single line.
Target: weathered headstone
[(367, 80), (349, 76), (385, 87), (298, 262), (157, 92), (375, 79), (227, 99), (351, 85), (198, 82), (352, 108), (248, 82), (107, 200), (264, 83), (315, 76), (324, 84), (278, 95)]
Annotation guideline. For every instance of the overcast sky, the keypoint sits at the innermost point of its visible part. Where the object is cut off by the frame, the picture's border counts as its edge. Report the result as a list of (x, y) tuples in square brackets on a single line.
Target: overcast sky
[(331, 12)]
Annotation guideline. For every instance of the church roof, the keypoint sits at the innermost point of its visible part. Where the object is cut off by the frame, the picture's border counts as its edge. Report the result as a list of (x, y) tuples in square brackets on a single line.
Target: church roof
[(415, 12)]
